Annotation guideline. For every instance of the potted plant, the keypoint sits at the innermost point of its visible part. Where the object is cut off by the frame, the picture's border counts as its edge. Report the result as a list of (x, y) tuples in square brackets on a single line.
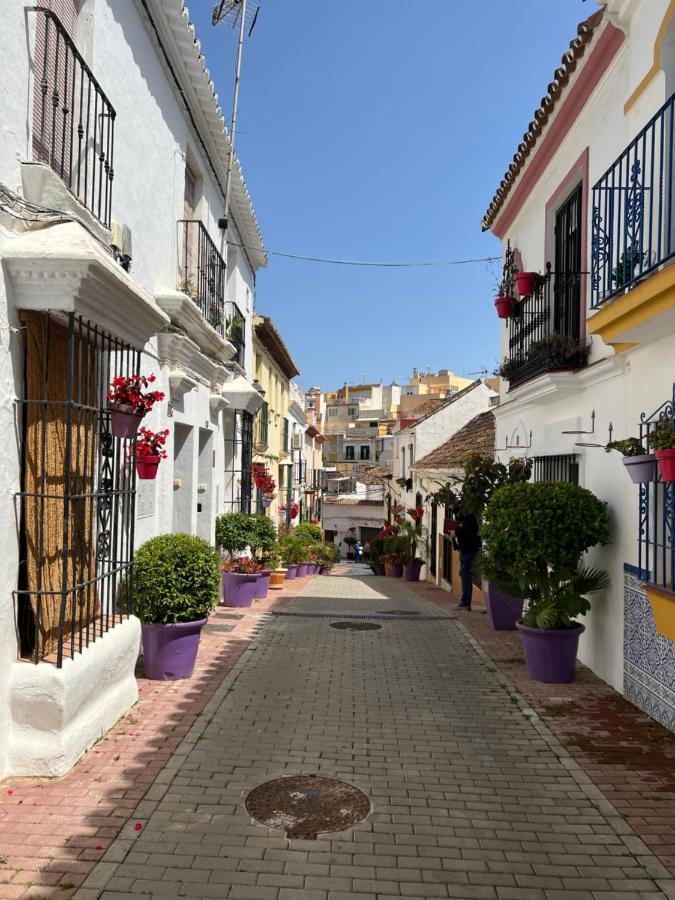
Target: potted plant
[(526, 283), (640, 464), (395, 548), (149, 452), (128, 401), (175, 586), (293, 552), (277, 573), (630, 259), (263, 542), (549, 526), (350, 541), (376, 552), (662, 439), (413, 543), (239, 578), (234, 532)]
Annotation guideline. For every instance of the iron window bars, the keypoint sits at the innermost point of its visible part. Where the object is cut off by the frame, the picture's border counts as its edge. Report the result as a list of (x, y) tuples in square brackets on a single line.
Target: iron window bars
[(544, 329), (202, 273), (76, 506), (656, 513), (235, 324), (238, 461), (73, 120), (264, 425), (633, 210), (564, 467)]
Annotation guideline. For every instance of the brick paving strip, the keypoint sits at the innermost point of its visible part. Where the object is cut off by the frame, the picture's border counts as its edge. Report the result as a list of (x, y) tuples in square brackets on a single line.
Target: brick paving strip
[(53, 831), (472, 795), (628, 755)]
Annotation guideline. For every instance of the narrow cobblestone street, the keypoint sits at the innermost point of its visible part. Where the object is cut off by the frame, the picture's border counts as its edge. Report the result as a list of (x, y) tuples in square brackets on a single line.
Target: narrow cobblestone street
[(471, 795)]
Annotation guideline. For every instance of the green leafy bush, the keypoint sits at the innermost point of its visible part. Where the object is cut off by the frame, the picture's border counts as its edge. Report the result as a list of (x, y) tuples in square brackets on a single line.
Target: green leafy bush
[(310, 534), (415, 539), (376, 550), (176, 579), (631, 446), (234, 532), (293, 549), (263, 537), (327, 554), (663, 436), (534, 536)]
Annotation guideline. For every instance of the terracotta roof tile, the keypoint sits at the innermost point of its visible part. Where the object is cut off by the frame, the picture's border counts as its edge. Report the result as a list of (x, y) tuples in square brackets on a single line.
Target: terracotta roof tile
[(542, 114), (430, 405), (373, 476), (477, 436), (351, 501)]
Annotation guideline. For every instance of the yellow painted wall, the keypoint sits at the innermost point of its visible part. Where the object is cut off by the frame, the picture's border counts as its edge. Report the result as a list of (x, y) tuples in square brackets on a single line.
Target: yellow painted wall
[(277, 395)]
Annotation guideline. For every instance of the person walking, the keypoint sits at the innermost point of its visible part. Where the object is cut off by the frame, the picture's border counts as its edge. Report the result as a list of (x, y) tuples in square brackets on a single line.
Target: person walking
[(468, 542), (366, 551), (358, 548)]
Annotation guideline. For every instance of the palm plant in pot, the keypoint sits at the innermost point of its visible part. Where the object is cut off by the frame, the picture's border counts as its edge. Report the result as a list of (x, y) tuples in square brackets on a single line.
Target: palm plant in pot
[(662, 440), (175, 585), (549, 526), (414, 536), (640, 465), (263, 542)]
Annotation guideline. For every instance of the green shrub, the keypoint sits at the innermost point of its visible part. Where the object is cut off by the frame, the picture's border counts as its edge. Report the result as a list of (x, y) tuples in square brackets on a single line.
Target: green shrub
[(263, 536), (309, 533), (534, 537), (376, 550), (234, 532), (293, 549), (327, 554), (176, 579)]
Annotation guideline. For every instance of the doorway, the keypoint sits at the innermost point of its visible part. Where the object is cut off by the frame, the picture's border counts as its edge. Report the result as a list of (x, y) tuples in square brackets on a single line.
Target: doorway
[(205, 519), (183, 474)]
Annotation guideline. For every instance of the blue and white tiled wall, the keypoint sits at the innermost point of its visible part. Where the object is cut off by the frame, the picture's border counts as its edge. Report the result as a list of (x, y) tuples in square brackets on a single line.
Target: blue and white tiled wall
[(649, 657)]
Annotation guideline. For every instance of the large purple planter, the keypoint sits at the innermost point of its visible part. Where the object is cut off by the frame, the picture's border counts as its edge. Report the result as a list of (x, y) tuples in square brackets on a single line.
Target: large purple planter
[(411, 571), (550, 653), (238, 589), (641, 468), (170, 651), (291, 571), (396, 570), (262, 585), (503, 609), (302, 570), (379, 569)]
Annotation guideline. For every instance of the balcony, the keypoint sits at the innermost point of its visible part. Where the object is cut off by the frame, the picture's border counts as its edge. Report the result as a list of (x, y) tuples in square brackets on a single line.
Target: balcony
[(235, 331), (73, 120), (633, 228), (544, 329), (202, 273)]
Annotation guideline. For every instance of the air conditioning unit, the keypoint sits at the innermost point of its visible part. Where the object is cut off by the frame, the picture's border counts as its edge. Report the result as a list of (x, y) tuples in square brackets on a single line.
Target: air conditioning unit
[(296, 442), (121, 244)]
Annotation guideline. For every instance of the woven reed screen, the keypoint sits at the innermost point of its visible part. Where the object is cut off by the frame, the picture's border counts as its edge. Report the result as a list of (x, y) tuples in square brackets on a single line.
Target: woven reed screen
[(60, 473)]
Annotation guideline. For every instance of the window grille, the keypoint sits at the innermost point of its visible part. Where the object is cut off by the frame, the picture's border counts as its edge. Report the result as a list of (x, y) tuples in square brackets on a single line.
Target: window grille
[(365, 453), (76, 506), (349, 451), (238, 462), (556, 468), (264, 425), (202, 276)]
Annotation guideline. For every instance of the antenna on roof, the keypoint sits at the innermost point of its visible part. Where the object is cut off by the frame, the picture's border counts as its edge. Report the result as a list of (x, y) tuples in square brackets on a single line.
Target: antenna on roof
[(243, 14)]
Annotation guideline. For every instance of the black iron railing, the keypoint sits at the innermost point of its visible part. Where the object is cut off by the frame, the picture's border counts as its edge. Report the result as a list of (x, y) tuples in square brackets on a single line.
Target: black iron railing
[(235, 330), (264, 425), (564, 467), (73, 120), (633, 228), (544, 329), (202, 272), (76, 506)]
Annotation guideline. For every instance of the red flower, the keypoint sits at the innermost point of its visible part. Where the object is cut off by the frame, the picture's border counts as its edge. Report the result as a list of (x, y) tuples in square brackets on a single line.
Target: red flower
[(132, 391), (151, 443)]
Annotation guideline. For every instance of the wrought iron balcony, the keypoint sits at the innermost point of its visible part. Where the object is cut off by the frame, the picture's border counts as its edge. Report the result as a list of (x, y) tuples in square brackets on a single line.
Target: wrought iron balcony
[(633, 228), (544, 329), (202, 273), (235, 330), (73, 120)]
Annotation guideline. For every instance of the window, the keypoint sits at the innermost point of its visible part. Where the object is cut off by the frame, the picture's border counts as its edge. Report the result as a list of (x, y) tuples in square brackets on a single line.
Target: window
[(349, 451), (333, 411), (352, 411), (286, 438), (402, 462), (372, 424), (310, 404), (264, 425), (557, 468), (365, 452)]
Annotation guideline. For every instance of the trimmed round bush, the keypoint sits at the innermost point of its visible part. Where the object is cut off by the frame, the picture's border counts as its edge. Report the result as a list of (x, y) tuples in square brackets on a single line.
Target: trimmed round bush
[(309, 533), (234, 532), (263, 535), (176, 578)]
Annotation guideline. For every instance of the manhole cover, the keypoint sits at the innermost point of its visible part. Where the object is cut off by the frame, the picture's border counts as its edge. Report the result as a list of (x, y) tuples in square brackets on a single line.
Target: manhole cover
[(400, 612), (355, 626), (307, 805)]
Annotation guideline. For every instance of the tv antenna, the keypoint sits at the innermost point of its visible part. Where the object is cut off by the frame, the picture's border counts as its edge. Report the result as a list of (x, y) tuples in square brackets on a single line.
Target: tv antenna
[(244, 15)]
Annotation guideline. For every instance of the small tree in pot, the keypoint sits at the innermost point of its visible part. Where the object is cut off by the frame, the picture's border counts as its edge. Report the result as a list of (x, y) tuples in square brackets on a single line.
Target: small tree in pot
[(548, 526), (175, 582), (414, 538)]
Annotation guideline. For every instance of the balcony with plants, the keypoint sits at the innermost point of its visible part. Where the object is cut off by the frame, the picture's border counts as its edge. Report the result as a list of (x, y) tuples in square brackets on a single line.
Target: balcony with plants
[(543, 318)]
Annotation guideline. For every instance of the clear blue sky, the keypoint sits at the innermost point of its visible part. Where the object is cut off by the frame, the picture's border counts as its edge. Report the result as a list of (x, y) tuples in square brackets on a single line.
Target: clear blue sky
[(379, 130)]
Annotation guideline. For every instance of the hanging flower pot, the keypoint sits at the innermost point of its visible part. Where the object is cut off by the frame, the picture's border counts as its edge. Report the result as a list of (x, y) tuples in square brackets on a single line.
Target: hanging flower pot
[(641, 468), (267, 502), (124, 420), (128, 401), (146, 468), (504, 306), (526, 283), (666, 460)]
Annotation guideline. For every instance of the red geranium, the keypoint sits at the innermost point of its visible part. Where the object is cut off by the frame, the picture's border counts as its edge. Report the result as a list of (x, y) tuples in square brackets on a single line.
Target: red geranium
[(132, 391), (150, 443), (295, 509), (263, 479), (242, 565)]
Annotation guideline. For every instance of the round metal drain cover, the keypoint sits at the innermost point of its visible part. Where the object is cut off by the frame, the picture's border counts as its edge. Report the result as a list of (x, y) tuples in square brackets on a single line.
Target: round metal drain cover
[(355, 626), (307, 805), (400, 612)]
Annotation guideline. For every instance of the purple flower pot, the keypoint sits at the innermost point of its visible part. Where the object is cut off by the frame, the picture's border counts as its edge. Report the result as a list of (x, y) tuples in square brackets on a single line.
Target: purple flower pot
[(262, 585), (291, 571), (302, 570), (641, 468), (170, 651), (238, 589), (396, 570), (379, 569), (503, 609), (551, 653), (124, 421), (411, 571)]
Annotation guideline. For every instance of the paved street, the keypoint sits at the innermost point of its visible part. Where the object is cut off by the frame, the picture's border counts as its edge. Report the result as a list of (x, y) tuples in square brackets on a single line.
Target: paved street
[(471, 796)]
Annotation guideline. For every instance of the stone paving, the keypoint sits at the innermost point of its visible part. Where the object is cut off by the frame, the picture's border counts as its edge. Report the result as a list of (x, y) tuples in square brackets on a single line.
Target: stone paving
[(472, 796)]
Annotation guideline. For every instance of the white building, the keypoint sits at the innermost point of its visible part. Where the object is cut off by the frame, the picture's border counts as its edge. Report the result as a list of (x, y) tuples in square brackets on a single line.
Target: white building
[(113, 155), (591, 352), (359, 513)]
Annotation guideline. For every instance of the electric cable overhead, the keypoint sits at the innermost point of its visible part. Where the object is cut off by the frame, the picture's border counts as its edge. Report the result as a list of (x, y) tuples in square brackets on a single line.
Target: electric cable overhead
[(373, 264)]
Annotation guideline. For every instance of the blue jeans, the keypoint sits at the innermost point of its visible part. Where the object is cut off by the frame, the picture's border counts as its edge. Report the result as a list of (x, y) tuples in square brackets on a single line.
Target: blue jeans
[(466, 561)]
